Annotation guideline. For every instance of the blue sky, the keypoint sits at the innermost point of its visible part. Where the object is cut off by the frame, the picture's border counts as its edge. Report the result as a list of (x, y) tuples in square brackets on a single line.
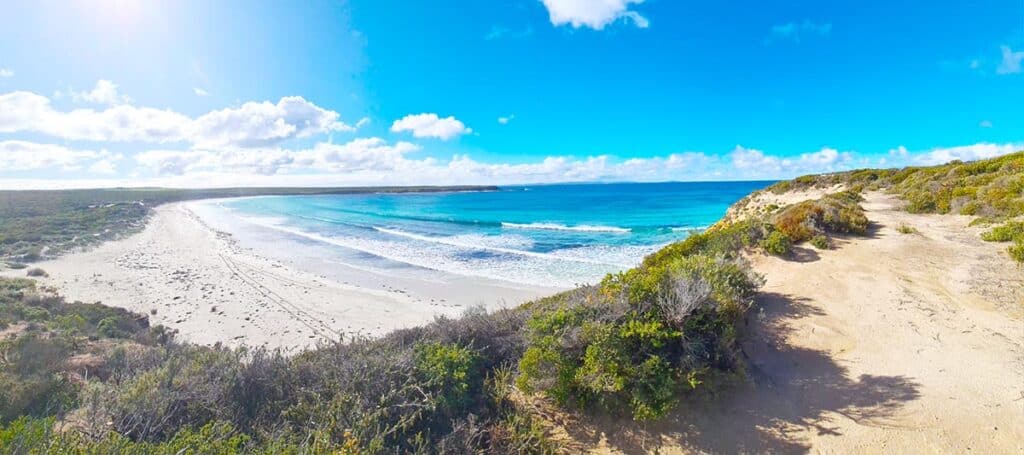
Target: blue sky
[(110, 92)]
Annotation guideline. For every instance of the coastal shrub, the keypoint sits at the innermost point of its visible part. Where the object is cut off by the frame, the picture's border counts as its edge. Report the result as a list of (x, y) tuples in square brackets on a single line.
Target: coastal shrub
[(821, 242), (640, 338), (1016, 251), (37, 272), (777, 243), (452, 370), (837, 213), (30, 436), (1005, 233), (108, 328), (723, 239), (32, 382), (906, 229)]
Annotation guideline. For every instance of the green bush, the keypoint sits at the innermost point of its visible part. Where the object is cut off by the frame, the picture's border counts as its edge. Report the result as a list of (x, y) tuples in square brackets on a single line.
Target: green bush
[(777, 243), (905, 229), (821, 242), (639, 338), (837, 213), (452, 370), (31, 381), (1017, 251), (1005, 233), (108, 327)]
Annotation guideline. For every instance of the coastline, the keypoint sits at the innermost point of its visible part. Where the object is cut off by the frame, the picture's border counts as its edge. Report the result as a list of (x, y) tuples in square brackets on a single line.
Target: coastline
[(879, 340), (203, 283)]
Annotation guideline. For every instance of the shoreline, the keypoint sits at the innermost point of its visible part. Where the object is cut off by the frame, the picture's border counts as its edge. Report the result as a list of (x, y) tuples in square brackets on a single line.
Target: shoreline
[(202, 282)]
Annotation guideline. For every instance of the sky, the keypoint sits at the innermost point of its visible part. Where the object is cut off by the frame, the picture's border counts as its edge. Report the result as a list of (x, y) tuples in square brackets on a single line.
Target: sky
[(383, 92)]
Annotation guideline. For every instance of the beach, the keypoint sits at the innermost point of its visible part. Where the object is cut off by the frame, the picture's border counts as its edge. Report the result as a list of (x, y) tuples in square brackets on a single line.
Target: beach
[(208, 287)]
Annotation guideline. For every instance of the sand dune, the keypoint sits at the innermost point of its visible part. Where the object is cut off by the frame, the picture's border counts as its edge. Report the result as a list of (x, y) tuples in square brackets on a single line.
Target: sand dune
[(894, 343)]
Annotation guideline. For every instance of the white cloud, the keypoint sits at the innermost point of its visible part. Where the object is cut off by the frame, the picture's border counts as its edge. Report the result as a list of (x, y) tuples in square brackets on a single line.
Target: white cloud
[(430, 125), (105, 92), (200, 92), (756, 164), (249, 125), (28, 156), (29, 112), (364, 154), (363, 122), (508, 118), (971, 152), (106, 165), (595, 14), (793, 31), (6, 72), (985, 124), (374, 161), (259, 124), (1011, 61)]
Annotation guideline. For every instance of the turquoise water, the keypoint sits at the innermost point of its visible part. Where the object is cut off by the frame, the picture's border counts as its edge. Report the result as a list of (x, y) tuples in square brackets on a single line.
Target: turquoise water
[(550, 235)]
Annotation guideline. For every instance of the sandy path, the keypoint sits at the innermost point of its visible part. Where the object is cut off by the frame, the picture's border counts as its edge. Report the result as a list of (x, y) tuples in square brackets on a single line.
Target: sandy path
[(201, 283), (895, 343)]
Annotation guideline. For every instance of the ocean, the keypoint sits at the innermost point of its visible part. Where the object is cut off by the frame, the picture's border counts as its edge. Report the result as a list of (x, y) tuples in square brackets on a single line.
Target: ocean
[(542, 235)]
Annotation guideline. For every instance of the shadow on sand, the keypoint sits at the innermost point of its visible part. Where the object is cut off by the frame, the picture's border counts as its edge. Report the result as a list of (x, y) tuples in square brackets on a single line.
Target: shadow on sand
[(791, 389)]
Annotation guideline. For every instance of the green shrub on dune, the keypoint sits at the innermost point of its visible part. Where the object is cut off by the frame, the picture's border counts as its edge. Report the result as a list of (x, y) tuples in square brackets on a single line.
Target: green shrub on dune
[(777, 243), (642, 337), (838, 213), (1017, 251), (1012, 231), (1005, 233)]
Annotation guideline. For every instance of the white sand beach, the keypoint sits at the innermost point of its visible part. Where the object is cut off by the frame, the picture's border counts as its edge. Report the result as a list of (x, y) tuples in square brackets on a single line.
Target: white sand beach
[(204, 284)]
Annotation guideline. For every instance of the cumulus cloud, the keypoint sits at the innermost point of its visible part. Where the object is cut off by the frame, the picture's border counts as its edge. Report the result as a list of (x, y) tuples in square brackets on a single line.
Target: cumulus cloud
[(200, 92), (944, 155), (364, 154), (105, 92), (595, 14), (258, 124), (1011, 61), (249, 125), (6, 72), (505, 119), (375, 161), (755, 163), (430, 125), (793, 31), (29, 112), (29, 156)]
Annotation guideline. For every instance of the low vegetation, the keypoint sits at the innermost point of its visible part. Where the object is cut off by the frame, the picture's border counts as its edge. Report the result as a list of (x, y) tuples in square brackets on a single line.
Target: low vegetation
[(86, 378), (906, 229), (990, 190), (1012, 231)]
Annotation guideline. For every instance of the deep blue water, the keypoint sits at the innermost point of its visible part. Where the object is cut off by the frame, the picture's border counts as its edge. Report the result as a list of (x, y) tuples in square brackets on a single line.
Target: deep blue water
[(554, 235)]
